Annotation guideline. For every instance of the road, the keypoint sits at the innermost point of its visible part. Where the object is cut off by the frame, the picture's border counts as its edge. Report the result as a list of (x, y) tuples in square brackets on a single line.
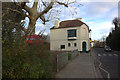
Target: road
[(109, 61)]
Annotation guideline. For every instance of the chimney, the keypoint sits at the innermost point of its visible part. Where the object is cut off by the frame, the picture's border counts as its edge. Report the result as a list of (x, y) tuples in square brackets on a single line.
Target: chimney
[(56, 24), (79, 19)]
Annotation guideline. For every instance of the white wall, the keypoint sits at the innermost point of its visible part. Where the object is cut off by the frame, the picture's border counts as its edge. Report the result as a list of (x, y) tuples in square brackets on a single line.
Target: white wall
[(59, 37), (84, 33)]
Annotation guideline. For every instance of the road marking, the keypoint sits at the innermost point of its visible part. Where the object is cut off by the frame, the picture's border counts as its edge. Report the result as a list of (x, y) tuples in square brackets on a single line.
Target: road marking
[(109, 54), (104, 54), (108, 74), (99, 55), (115, 54)]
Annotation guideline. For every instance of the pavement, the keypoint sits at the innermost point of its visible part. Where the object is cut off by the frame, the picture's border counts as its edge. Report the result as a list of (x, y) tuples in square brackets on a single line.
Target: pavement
[(81, 66)]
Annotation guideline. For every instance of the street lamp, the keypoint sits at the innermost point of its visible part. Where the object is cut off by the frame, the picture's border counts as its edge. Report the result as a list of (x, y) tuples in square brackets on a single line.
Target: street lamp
[(90, 32), (90, 39), (90, 36)]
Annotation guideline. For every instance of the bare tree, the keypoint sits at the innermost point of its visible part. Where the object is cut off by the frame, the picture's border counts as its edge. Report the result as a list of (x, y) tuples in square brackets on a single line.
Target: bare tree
[(38, 10)]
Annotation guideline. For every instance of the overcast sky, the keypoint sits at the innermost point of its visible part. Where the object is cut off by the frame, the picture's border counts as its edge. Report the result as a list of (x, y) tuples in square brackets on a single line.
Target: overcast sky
[(97, 14)]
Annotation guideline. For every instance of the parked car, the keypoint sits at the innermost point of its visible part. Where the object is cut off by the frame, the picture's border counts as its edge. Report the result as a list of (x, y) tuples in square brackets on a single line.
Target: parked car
[(107, 48), (33, 39)]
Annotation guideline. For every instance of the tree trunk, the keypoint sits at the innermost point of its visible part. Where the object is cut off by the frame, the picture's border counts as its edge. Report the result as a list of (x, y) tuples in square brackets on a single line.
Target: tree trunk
[(116, 27), (31, 27)]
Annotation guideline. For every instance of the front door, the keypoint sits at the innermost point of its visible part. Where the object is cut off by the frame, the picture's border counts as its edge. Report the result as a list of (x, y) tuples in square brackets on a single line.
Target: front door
[(84, 47)]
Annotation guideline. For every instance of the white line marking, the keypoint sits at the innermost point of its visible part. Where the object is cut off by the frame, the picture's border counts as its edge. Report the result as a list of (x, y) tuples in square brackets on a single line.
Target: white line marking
[(99, 55), (115, 54), (104, 54), (108, 74), (109, 54)]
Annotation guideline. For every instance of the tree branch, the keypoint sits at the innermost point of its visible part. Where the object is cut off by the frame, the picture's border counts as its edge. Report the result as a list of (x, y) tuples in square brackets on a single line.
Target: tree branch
[(27, 9), (19, 12), (66, 5), (43, 19), (35, 5), (71, 2), (43, 3), (15, 24), (46, 9), (23, 5)]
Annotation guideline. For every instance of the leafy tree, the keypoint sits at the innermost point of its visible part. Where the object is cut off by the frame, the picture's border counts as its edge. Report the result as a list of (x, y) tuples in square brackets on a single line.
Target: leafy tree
[(11, 22), (11, 37), (18, 60), (113, 39)]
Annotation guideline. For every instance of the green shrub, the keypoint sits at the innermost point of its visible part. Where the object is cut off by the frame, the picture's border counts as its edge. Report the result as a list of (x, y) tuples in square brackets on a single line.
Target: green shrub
[(69, 56), (20, 61)]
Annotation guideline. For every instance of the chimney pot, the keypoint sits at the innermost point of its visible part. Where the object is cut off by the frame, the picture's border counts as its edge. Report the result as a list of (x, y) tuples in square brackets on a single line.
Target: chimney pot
[(56, 24), (79, 19)]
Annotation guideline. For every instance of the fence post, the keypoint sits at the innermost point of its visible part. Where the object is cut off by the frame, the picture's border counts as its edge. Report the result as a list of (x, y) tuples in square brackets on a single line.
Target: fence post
[(57, 63)]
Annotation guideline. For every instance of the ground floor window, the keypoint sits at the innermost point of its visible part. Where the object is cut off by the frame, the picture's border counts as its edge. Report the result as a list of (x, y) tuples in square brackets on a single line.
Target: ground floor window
[(68, 44), (62, 46), (75, 44)]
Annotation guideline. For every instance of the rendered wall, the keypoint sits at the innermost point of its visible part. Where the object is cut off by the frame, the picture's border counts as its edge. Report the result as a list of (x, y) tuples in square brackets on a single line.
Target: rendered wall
[(59, 37)]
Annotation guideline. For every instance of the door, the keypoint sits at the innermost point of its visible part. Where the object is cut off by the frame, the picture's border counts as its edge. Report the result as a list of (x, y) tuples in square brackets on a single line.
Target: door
[(84, 47)]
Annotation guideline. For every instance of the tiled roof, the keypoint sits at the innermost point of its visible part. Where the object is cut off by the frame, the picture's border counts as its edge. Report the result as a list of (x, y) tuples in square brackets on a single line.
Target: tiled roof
[(70, 23)]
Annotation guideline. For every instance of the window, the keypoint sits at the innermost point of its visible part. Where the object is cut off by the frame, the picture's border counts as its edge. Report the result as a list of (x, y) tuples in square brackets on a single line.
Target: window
[(75, 44), (68, 44), (62, 46), (72, 33)]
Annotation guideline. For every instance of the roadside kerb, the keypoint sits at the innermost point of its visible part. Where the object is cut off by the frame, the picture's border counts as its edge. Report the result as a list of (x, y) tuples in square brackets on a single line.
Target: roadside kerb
[(98, 64), (108, 74)]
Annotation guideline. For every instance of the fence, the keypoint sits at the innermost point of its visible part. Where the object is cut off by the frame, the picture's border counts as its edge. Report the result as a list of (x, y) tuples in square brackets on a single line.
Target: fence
[(74, 53), (62, 58)]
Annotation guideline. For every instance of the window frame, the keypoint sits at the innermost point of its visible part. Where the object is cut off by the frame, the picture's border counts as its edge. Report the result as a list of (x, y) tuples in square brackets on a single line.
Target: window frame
[(72, 31), (61, 47), (75, 44), (69, 44)]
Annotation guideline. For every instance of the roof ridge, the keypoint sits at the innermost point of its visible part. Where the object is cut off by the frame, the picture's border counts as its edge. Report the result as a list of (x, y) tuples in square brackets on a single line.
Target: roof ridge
[(71, 20), (71, 23)]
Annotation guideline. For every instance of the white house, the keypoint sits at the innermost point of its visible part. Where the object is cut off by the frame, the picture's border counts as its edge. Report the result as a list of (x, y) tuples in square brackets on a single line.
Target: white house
[(70, 35)]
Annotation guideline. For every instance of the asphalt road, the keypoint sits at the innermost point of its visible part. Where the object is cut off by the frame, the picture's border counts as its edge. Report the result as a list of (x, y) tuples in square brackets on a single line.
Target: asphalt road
[(109, 61)]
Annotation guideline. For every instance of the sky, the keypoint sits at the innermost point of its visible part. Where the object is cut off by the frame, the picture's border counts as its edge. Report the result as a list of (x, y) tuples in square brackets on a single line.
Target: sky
[(97, 14)]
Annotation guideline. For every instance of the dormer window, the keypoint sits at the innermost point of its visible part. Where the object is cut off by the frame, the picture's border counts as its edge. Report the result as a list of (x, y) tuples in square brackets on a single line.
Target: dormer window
[(72, 33)]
